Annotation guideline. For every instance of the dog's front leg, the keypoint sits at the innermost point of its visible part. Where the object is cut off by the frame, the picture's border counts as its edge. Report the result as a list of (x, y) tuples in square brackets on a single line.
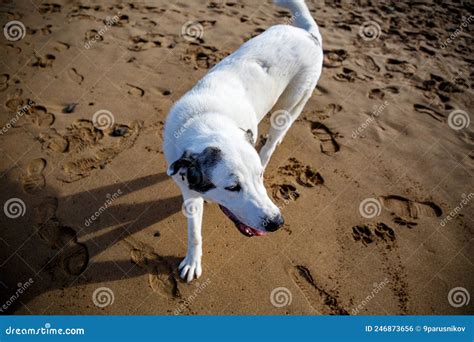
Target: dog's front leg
[(193, 208)]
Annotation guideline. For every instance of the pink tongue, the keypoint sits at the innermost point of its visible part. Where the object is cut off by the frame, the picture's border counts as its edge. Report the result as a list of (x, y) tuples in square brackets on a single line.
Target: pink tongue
[(251, 231)]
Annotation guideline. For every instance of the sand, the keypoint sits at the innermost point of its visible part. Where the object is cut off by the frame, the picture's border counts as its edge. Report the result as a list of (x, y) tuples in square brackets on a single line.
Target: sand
[(99, 227)]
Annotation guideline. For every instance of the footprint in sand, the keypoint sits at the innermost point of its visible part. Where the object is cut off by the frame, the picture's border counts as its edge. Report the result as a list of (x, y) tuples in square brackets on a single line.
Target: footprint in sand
[(202, 56), (83, 136), (73, 256), (15, 49), (430, 111), (33, 181), (15, 102), (384, 232), (4, 78), (207, 24), (142, 43), (452, 87), (53, 141), (40, 116), (31, 113), (285, 192), (319, 299), (135, 91), (123, 20), (403, 67), (347, 75), (407, 208), (61, 46), (79, 135), (327, 139), (93, 35), (75, 76), (304, 174), (46, 8), (427, 50), (334, 58), (45, 61), (45, 30), (45, 219), (432, 83), (363, 234), (160, 273), (328, 111), (370, 233), (367, 63), (385, 240), (82, 167), (309, 177), (379, 93)]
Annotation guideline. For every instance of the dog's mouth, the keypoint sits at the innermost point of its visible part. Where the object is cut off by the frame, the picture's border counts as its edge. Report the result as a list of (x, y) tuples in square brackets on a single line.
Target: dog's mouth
[(243, 228)]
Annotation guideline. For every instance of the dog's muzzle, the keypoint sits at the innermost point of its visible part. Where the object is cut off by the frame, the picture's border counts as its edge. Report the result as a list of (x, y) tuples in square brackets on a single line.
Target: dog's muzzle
[(274, 224), (243, 228)]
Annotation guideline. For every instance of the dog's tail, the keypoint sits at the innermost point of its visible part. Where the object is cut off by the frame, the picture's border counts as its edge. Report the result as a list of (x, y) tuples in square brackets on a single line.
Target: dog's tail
[(301, 17)]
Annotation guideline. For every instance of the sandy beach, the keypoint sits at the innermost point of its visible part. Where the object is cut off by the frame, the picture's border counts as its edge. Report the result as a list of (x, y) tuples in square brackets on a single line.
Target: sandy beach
[(375, 178)]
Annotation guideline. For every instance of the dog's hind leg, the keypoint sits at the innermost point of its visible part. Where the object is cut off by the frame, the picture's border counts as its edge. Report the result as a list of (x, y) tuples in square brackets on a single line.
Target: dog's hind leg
[(193, 208), (287, 110)]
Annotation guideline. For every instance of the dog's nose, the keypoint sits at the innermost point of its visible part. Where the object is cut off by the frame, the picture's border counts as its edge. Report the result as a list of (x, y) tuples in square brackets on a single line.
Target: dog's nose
[(275, 223)]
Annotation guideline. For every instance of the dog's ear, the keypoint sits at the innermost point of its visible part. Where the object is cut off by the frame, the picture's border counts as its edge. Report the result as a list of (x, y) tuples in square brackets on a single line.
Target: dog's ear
[(196, 168), (184, 162)]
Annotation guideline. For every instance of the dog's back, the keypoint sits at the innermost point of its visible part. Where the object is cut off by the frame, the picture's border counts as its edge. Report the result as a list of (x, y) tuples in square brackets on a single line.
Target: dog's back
[(251, 79)]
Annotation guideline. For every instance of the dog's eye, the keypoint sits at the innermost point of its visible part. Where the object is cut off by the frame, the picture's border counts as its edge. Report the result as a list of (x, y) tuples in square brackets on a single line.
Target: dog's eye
[(235, 187)]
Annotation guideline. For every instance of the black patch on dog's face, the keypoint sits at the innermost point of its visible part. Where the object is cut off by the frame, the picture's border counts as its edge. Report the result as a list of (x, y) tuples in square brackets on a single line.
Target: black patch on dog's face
[(197, 167)]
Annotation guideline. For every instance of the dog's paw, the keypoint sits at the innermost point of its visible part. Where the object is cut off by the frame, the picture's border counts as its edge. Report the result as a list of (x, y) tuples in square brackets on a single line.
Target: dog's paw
[(190, 268)]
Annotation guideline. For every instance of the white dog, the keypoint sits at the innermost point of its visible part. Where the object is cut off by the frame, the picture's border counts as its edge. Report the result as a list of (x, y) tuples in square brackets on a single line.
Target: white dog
[(210, 132)]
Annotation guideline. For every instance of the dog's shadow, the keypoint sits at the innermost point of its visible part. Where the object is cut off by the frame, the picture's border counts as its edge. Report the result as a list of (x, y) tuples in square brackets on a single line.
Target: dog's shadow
[(59, 242)]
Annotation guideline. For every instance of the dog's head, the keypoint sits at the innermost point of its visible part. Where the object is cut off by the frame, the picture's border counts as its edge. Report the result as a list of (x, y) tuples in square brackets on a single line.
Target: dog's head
[(230, 173)]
